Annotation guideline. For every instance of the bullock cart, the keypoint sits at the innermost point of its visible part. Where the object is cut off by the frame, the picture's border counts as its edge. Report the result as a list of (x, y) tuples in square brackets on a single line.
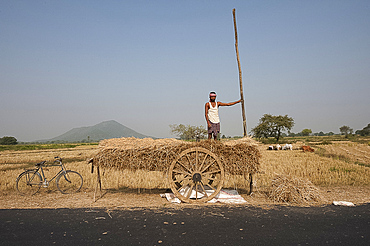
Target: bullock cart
[(195, 170)]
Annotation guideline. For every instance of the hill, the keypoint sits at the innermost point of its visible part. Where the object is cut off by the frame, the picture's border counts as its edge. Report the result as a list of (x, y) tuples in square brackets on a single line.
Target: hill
[(103, 130)]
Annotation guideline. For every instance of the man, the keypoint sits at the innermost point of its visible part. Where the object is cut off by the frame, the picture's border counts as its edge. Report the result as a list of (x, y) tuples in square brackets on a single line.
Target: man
[(212, 118)]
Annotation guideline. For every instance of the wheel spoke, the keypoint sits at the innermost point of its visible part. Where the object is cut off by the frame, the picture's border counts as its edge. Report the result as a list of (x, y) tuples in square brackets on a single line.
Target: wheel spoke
[(210, 164), (210, 186), (182, 172), (196, 159), (189, 191), (183, 165), (204, 160), (182, 179), (211, 172), (205, 193), (191, 170), (182, 186), (210, 178), (196, 191), (183, 183)]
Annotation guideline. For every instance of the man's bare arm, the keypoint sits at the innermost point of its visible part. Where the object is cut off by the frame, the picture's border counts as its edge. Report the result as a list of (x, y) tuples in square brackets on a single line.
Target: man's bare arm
[(228, 104), (206, 114)]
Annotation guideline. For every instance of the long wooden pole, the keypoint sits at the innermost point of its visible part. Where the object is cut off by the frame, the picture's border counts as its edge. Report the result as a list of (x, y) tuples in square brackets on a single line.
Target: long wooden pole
[(240, 77)]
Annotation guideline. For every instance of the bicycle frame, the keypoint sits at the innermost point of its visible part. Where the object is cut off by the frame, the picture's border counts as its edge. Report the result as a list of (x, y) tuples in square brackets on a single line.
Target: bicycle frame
[(43, 177)]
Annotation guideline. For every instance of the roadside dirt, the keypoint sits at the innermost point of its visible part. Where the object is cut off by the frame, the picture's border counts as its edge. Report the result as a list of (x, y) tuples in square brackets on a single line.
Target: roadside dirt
[(134, 198)]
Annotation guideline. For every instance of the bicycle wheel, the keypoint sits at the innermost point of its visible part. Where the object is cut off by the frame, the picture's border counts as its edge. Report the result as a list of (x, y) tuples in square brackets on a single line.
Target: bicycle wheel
[(69, 182), (28, 183)]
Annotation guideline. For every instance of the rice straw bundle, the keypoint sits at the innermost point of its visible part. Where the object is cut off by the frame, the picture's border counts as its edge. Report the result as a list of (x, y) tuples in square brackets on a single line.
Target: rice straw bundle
[(238, 157), (294, 190)]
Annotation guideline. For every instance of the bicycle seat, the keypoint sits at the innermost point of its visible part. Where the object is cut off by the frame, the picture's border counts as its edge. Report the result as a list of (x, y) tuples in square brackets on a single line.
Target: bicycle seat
[(40, 163)]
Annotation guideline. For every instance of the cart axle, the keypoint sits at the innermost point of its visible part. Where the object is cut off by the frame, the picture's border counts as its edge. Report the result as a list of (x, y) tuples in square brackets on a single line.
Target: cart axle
[(197, 177)]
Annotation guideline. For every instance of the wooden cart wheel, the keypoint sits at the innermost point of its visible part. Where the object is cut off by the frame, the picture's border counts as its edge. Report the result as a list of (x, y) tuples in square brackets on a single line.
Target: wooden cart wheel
[(196, 175)]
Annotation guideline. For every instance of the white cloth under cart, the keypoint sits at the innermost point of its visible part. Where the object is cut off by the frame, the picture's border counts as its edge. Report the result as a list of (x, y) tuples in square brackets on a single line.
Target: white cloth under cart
[(224, 196)]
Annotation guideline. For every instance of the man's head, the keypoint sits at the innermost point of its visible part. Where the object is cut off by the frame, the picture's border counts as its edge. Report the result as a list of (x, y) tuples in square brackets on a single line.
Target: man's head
[(212, 96)]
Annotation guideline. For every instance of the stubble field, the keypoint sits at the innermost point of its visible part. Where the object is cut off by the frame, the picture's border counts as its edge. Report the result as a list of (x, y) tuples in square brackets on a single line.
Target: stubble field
[(340, 171)]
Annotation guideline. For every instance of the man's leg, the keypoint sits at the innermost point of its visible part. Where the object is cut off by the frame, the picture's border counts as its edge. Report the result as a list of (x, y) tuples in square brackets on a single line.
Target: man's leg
[(216, 130), (210, 131)]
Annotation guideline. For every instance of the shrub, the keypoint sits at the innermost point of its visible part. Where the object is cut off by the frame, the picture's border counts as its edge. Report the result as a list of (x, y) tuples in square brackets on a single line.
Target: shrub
[(8, 141)]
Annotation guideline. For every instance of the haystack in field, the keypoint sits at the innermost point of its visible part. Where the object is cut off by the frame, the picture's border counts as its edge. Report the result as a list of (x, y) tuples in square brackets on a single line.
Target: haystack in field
[(294, 190), (238, 156)]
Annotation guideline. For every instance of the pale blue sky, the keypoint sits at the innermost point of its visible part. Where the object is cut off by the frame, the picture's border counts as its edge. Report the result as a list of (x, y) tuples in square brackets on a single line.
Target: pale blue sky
[(149, 64)]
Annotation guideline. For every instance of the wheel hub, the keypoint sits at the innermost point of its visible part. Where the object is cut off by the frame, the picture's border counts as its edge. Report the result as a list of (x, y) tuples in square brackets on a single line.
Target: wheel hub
[(197, 177)]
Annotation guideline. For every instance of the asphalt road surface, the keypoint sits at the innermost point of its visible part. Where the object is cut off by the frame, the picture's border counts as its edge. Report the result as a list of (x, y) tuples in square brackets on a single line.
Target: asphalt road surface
[(204, 225)]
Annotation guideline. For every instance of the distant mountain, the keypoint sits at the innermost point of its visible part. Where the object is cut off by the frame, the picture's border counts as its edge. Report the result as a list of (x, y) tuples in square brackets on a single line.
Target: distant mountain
[(103, 130)]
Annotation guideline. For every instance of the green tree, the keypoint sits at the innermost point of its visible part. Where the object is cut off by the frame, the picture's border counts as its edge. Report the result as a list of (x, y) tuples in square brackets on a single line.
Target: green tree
[(365, 131), (273, 126), (345, 130), (188, 132), (8, 141), (306, 132)]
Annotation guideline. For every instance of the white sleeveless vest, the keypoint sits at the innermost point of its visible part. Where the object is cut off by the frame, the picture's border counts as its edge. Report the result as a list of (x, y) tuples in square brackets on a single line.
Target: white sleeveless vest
[(213, 113)]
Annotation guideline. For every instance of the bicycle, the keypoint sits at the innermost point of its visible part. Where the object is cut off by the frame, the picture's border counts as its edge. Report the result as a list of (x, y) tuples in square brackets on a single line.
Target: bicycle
[(30, 181)]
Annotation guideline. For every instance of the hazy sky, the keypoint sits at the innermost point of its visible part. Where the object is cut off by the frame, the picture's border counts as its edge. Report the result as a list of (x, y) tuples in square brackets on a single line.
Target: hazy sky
[(149, 64)]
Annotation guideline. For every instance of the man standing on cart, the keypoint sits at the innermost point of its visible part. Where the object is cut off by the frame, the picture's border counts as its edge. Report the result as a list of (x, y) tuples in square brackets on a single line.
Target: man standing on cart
[(211, 113)]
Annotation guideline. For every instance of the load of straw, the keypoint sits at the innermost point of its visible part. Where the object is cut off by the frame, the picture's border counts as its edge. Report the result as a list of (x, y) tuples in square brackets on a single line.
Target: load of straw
[(294, 190), (238, 156)]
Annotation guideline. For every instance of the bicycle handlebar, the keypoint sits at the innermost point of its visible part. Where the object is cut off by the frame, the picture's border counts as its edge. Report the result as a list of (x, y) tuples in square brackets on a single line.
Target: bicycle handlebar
[(41, 163), (57, 159)]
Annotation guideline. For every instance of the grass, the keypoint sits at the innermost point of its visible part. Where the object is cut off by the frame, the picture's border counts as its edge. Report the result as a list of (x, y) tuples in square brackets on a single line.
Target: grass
[(322, 152), (349, 152), (318, 140), (19, 147), (335, 164)]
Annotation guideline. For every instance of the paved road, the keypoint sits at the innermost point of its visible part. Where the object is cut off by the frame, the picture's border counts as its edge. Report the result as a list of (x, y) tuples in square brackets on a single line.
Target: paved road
[(215, 225)]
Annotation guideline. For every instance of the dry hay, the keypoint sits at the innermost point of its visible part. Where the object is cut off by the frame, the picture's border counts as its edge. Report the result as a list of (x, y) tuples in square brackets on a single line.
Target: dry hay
[(238, 156), (294, 190), (245, 140)]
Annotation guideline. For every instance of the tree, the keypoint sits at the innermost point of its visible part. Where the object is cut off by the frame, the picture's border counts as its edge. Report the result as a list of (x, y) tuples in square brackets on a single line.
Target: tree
[(345, 130), (273, 126), (365, 131), (306, 132), (188, 132), (321, 133), (8, 141)]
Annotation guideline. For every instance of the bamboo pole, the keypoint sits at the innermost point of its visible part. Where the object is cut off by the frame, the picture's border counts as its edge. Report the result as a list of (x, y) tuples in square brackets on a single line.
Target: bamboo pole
[(98, 184), (240, 77)]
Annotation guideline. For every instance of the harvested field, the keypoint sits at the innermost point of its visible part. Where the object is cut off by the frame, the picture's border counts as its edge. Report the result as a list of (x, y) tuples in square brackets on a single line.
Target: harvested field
[(320, 170), (350, 151), (29, 157), (335, 179)]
